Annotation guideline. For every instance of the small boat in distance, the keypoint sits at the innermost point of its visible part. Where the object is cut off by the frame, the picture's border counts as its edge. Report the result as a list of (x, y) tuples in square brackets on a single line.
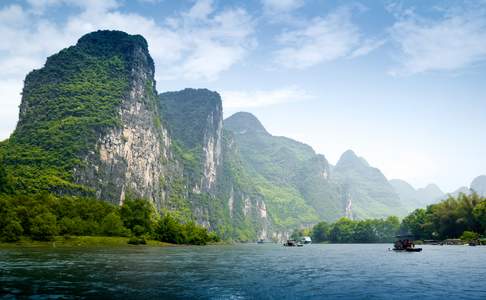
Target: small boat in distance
[(293, 243), (404, 243), (306, 240)]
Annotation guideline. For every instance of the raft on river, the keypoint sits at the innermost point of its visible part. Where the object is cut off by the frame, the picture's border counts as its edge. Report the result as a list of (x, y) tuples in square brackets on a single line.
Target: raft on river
[(292, 243), (405, 243)]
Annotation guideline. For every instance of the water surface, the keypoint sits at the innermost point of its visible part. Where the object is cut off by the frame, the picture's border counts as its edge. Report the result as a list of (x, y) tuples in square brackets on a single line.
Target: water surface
[(245, 272)]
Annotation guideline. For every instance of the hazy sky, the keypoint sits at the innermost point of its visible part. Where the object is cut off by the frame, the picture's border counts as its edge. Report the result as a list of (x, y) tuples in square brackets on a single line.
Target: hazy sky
[(402, 83)]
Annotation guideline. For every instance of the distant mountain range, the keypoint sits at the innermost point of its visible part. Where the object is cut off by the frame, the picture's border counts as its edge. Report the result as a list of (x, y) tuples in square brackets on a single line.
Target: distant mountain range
[(415, 198), (478, 185)]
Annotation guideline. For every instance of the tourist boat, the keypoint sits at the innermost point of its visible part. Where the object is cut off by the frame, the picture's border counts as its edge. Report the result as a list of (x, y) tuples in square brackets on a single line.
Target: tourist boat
[(292, 243), (306, 240), (404, 243)]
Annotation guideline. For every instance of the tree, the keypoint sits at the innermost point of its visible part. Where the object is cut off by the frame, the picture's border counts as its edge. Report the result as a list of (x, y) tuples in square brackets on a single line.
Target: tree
[(4, 180), (415, 223), (44, 227), (12, 230), (320, 232), (364, 232), (138, 212), (169, 230), (342, 231), (195, 235), (479, 213), (112, 225), (390, 228), (469, 236)]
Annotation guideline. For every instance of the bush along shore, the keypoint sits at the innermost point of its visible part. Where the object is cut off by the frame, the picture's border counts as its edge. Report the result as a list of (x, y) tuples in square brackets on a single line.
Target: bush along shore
[(68, 220)]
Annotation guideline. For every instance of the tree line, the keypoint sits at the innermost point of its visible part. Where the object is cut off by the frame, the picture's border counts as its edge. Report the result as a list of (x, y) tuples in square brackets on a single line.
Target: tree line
[(450, 218), (346, 230), (44, 216), (463, 216)]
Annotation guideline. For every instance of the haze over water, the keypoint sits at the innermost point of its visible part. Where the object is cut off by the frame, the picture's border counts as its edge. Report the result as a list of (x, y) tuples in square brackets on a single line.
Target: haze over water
[(245, 271)]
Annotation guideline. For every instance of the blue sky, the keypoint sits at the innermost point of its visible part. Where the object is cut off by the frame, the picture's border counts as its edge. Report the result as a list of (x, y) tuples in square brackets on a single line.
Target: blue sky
[(402, 83)]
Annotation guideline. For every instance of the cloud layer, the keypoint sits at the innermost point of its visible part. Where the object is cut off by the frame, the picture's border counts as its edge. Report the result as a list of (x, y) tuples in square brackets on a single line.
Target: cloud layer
[(323, 39), (454, 41), (203, 41), (261, 98)]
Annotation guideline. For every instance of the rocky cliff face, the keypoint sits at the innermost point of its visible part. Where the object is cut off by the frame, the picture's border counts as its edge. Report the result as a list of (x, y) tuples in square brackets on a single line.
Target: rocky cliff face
[(215, 183), (129, 158), (90, 120), (195, 120)]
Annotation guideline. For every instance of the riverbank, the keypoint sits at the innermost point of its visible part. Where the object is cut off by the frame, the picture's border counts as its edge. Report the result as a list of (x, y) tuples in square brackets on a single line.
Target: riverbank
[(80, 241)]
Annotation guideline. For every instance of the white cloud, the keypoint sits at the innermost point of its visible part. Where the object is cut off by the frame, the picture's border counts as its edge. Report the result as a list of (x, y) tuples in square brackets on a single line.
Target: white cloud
[(367, 46), (455, 40), (281, 6), (10, 93), (39, 6), (261, 98), (198, 44), (323, 39)]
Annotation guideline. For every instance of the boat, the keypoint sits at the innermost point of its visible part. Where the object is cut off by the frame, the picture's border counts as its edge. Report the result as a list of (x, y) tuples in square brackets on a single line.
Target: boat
[(404, 243), (408, 249), (293, 243), (306, 240), (261, 241)]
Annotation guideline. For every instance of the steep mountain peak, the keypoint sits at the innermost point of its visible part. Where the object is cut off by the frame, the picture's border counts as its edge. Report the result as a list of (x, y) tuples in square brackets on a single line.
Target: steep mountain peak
[(202, 96), (243, 122), (196, 105), (433, 188), (399, 183), (349, 158), (103, 41)]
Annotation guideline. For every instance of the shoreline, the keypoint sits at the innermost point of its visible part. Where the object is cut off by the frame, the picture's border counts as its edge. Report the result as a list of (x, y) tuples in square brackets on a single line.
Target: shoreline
[(80, 241)]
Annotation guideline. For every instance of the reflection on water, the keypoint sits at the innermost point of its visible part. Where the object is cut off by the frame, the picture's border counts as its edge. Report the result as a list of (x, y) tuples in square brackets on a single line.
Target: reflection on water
[(245, 271)]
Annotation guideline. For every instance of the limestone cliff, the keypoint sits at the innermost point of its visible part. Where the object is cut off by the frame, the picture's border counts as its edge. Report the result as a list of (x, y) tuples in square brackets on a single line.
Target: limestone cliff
[(89, 122), (195, 120), (215, 188), (129, 158)]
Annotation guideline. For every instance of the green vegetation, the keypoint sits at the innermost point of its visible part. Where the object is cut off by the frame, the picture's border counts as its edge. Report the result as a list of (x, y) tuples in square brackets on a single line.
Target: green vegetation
[(274, 168), (43, 217), (450, 218), (371, 194), (469, 236), (461, 217), (66, 106), (362, 231)]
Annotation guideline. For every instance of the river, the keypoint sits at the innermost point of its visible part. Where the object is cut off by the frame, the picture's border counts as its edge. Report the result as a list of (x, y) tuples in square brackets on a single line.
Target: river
[(246, 271)]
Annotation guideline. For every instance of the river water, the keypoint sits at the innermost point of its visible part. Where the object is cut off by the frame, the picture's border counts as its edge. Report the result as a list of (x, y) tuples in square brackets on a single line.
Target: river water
[(246, 271)]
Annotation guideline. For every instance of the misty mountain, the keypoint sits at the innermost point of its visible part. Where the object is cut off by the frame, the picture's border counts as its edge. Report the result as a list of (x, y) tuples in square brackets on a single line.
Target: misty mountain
[(366, 187), (412, 198), (479, 185)]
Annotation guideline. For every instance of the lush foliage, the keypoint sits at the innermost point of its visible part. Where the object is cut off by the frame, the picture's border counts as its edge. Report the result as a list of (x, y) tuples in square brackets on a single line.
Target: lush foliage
[(66, 106), (449, 218), (362, 231), (44, 216)]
